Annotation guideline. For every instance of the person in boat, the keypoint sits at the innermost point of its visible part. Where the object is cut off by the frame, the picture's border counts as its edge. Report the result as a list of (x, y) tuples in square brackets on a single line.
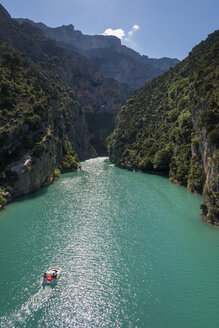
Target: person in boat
[(44, 278), (54, 276)]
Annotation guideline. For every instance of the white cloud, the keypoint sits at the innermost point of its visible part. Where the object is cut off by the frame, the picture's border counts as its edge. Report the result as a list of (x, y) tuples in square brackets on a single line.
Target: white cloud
[(136, 27), (133, 30), (117, 32), (127, 38)]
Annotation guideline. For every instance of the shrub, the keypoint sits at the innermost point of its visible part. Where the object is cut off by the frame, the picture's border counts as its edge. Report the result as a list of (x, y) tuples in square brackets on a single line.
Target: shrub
[(57, 173), (69, 162), (3, 201), (204, 209), (29, 168)]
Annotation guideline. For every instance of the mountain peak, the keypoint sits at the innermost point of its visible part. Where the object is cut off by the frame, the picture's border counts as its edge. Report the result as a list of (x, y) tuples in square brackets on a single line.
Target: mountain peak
[(69, 27), (3, 13)]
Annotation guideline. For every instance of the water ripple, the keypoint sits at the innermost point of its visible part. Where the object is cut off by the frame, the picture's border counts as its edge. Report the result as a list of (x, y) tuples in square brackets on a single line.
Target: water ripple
[(133, 251)]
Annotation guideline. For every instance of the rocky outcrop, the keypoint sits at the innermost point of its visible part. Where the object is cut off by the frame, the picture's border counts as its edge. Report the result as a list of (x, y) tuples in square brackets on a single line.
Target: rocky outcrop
[(111, 58), (33, 172)]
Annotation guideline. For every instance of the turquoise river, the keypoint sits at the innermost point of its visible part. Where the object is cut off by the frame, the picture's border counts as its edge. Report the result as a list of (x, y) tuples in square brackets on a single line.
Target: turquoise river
[(132, 248)]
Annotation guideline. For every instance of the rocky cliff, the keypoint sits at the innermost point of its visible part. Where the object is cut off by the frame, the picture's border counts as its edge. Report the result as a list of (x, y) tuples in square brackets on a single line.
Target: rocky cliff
[(49, 95), (42, 126), (111, 58), (101, 98), (171, 126)]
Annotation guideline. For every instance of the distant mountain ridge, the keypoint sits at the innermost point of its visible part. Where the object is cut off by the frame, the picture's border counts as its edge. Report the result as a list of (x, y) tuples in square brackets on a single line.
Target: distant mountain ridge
[(111, 58)]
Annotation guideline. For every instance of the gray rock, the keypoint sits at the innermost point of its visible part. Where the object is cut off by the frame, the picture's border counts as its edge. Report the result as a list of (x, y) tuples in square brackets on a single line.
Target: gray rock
[(111, 58)]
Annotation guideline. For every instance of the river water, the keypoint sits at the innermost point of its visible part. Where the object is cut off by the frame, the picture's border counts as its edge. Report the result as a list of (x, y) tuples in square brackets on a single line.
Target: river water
[(132, 248)]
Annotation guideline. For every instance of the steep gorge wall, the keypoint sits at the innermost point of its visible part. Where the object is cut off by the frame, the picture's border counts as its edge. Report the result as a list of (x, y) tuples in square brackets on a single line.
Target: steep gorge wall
[(49, 97), (171, 126), (42, 126)]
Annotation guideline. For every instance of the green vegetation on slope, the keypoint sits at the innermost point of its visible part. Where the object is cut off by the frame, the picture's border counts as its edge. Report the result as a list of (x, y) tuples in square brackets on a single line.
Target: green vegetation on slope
[(70, 159), (171, 125), (28, 105), (43, 127), (96, 94), (37, 116)]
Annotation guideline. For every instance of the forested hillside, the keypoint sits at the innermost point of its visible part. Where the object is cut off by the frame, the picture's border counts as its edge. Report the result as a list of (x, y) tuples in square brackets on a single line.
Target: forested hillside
[(49, 96), (171, 126)]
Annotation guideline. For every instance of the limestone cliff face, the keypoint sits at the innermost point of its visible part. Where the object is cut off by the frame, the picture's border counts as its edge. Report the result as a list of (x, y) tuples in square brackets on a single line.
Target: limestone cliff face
[(210, 156), (34, 170), (111, 58), (30, 173)]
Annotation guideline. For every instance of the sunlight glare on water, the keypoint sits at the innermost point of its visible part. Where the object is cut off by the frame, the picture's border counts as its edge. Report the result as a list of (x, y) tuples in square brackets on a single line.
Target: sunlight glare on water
[(131, 246)]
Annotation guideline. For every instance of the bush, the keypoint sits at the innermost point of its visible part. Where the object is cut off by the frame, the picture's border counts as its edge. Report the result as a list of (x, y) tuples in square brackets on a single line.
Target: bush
[(29, 168), (204, 209), (3, 201), (69, 162), (57, 173)]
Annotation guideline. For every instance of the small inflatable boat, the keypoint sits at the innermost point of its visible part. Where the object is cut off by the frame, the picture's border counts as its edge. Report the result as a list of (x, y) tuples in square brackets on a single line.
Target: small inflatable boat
[(51, 276)]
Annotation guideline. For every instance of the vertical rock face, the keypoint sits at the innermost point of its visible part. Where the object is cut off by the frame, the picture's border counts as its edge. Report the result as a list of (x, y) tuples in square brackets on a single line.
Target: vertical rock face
[(40, 172), (110, 57), (43, 126), (75, 39), (210, 207), (171, 126)]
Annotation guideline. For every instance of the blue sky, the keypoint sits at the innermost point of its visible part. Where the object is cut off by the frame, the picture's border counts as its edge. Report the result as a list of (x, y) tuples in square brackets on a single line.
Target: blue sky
[(162, 28)]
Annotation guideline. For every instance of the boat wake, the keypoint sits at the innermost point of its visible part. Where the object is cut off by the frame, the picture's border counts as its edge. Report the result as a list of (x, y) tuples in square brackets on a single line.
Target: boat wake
[(34, 303)]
